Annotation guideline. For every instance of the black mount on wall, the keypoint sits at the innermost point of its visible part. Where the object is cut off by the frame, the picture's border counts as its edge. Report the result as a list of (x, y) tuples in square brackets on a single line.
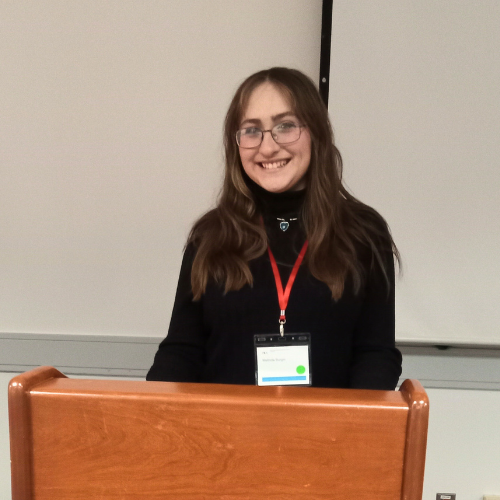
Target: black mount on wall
[(326, 43)]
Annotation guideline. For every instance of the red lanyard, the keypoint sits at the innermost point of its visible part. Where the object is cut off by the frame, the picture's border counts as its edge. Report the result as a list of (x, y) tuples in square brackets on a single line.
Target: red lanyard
[(283, 296)]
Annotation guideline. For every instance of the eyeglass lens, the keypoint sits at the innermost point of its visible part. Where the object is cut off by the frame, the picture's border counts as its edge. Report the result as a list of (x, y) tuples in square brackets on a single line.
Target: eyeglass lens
[(283, 133)]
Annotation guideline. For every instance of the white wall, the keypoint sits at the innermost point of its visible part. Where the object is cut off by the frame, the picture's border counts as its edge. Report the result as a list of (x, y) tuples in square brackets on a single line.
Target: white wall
[(463, 450), (111, 117), (4, 438), (415, 103)]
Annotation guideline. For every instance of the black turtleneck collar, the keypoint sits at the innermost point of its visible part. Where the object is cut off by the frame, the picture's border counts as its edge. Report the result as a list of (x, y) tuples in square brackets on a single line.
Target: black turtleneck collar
[(275, 204)]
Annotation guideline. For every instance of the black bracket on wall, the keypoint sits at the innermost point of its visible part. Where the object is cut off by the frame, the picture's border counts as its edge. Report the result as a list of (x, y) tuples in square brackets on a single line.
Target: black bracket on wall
[(326, 44)]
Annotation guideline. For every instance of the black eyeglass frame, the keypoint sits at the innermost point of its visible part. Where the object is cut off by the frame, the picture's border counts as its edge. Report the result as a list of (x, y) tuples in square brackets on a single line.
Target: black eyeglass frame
[(262, 132)]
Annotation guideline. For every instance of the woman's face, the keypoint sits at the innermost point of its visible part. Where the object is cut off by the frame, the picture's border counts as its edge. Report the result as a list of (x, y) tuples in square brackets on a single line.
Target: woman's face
[(274, 167)]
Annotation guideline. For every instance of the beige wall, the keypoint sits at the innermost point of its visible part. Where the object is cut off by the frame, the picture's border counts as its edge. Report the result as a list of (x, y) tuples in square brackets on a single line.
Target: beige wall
[(415, 101), (110, 147)]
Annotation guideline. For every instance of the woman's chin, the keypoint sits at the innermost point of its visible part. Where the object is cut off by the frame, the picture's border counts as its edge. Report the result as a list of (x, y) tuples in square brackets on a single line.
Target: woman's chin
[(280, 185), (281, 188)]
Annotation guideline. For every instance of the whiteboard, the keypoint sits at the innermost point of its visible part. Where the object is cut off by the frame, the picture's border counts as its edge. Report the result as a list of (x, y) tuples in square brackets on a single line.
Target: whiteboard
[(111, 118), (415, 104)]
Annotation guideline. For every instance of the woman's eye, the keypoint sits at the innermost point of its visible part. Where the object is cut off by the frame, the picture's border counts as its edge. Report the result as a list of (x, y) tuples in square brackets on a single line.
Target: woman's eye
[(286, 126), (250, 131)]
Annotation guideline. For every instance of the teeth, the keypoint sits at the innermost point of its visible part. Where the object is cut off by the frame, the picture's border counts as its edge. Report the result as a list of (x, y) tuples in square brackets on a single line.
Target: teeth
[(275, 164)]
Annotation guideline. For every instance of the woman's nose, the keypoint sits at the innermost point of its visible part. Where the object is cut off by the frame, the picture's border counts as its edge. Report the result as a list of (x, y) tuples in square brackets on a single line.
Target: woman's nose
[(268, 144)]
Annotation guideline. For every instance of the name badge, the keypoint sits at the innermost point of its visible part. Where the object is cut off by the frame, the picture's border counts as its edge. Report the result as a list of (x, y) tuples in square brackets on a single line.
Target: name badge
[(283, 360)]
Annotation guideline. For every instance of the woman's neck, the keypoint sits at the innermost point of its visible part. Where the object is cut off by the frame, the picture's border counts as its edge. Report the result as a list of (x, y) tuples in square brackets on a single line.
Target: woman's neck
[(276, 204)]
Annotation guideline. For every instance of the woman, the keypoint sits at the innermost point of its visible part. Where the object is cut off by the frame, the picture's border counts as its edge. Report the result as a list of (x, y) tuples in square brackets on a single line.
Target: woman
[(283, 200)]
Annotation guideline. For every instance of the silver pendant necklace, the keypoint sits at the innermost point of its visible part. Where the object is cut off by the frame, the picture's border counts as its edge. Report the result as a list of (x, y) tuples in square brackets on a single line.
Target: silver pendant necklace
[(285, 223)]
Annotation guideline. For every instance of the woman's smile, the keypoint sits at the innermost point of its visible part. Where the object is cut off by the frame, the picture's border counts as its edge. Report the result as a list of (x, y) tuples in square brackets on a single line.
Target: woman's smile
[(275, 164)]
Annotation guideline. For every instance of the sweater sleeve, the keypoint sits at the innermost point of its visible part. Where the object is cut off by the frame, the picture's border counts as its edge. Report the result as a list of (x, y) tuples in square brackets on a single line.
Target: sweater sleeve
[(376, 361), (181, 355)]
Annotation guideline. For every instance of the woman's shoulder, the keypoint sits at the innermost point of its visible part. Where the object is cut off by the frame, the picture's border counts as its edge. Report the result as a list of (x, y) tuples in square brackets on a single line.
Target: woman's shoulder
[(208, 224), (374, 244), (369, 220)]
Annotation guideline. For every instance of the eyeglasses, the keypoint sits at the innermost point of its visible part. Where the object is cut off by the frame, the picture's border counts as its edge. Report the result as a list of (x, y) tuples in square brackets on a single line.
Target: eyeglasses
[(283, 133)]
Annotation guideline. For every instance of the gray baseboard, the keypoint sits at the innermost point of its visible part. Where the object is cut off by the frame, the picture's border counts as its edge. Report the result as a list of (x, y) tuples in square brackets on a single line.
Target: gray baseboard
[(78, 354), (458, 367), (453, 367)]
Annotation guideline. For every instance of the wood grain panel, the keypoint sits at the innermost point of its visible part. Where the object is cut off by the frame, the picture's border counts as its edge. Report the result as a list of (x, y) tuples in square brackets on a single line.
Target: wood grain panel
[(416, 439), (124, 440), (20, 425)]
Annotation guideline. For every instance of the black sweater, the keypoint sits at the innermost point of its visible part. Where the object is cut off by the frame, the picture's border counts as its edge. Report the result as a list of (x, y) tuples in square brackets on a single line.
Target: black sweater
[(352, 339)]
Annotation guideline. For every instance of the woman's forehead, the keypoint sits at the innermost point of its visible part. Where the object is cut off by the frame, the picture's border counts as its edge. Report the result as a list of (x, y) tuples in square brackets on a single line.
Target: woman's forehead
[(267, 100)]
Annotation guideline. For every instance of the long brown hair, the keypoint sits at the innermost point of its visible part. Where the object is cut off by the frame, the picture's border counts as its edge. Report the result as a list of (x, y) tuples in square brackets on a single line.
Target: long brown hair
[(336, 223)]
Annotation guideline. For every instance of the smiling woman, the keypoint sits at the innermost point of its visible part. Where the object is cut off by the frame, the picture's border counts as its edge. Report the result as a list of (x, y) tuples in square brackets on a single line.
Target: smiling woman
[(279, 161), (283, 204)]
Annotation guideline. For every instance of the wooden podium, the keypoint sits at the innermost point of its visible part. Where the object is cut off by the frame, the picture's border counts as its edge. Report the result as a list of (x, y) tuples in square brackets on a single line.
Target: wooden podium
[(100, 439)]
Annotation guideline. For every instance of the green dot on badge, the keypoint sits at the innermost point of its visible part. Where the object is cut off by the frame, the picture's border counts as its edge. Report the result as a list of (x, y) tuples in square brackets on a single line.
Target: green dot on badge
[(301, 369)]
